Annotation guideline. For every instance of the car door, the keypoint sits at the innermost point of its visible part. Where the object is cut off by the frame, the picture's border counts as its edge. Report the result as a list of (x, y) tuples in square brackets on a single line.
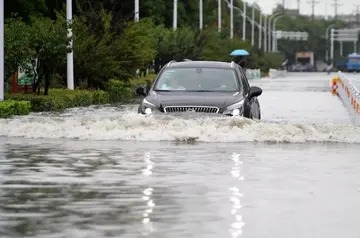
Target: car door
[(253, 104), (244, 81)]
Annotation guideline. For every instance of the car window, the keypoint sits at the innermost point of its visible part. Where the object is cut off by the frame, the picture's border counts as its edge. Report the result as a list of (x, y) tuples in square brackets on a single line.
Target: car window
[(198, 79), (244, 80)]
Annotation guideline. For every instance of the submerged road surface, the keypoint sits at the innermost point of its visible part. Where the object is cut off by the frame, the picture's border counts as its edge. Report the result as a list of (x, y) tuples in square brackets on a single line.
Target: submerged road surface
[(108, 172)]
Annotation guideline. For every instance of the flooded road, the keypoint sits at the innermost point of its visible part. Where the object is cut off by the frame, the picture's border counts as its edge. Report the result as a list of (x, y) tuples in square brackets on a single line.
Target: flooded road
[(107, 172)]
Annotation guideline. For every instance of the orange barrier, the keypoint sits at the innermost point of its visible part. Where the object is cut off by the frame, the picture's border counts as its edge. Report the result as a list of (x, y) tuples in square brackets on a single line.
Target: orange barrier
[(349, 94)]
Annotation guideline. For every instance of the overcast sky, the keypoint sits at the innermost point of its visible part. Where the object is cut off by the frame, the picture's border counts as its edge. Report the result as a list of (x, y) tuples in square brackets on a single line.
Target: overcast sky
[(324, 7)]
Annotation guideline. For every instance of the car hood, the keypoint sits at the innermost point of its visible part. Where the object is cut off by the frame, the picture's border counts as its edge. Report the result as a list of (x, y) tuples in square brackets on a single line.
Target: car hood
[(215, 99)]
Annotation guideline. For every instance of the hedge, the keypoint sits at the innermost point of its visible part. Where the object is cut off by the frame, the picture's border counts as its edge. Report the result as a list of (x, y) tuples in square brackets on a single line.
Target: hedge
[(10, 108), (124, 91), (60, 99)]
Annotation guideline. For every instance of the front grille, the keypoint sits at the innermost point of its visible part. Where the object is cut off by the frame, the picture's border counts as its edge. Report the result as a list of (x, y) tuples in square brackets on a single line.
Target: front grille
[(202, 109)]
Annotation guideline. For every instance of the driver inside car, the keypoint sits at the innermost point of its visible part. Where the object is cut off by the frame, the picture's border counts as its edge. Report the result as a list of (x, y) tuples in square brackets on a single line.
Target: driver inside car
[(172, 84)]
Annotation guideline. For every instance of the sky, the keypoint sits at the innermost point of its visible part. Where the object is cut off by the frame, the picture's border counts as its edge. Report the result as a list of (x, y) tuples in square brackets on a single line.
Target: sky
[(324, 7)]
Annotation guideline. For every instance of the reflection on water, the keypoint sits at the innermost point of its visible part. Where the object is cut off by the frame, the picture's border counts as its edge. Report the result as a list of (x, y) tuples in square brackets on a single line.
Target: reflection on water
[(147, 196), (117, 189), (237, 225)]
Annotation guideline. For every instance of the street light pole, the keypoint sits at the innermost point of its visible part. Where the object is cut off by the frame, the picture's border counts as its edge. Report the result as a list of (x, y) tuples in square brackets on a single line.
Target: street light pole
[(201, 14), (270, 30), (219, 15), (265, 33), (137, 14), (332, 46), (260, 31), (244, 22), (231, 19), (2, 63), (253, 26), (175, 15), (70, 55), (327, 42), (274, 39)]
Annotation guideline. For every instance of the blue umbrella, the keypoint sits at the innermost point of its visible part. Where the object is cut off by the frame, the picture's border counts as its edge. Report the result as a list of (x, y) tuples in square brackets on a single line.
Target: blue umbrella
[(239, 52)]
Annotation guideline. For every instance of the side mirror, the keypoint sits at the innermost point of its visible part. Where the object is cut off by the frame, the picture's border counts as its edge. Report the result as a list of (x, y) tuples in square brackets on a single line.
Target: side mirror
[(141, 91), (255, 92)]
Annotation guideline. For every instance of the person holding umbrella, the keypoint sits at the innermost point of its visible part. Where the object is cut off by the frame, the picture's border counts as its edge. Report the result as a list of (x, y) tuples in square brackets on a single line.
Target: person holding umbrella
[(239, 57)]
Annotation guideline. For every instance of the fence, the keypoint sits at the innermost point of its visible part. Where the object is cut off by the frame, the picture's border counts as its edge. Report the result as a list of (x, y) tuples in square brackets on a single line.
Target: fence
[(275, 73), (349, 94), (253, 74)]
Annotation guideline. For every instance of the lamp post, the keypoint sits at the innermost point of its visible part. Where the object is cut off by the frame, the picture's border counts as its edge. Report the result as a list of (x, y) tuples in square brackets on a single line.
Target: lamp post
[(137, 14), (219, 15), (244, 22), (70, 55), (254, 6), (231, 19), (260, 31), (175, 15), (265, 33), (270, 30), (2, 63), (274, 39), (327, 41), (201, 14)]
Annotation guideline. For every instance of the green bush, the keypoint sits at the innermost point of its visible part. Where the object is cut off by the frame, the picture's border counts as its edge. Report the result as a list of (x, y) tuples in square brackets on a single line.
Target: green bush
[(124, 91), (60, 99), (9, 108)]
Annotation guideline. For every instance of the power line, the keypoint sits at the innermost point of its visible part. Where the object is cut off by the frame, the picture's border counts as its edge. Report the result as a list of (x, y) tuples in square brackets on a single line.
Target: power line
[(336, 5), (313, 3)]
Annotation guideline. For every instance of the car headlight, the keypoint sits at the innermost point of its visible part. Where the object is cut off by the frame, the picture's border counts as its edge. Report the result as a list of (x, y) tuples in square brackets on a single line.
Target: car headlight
[(147, 107), (235, 109)]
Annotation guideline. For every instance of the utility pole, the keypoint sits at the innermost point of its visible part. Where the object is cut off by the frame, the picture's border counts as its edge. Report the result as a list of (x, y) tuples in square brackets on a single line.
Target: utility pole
[(336, 5), (2, 72), (313, 3), (298, 6), (357, 16)]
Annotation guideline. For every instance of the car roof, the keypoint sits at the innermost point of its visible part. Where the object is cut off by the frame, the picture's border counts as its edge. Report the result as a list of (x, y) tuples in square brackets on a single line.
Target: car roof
[(210, 64)]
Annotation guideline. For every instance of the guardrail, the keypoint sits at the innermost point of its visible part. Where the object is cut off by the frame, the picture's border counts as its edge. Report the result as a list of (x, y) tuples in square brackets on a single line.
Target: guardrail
[(276, 73), (349, 94), (253, 73)]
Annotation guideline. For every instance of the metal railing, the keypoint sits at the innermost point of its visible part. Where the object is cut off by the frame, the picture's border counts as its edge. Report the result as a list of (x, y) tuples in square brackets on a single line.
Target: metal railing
[(349, 94)]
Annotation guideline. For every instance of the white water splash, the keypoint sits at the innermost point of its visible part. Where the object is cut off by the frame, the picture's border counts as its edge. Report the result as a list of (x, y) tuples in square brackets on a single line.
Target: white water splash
[(110, 123)]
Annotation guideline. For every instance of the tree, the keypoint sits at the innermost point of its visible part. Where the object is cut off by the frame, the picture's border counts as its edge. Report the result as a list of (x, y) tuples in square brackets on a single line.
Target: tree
[(18, 50), (50, 45)]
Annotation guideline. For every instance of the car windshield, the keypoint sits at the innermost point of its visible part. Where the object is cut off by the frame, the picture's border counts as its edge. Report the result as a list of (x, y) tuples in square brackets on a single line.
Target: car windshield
[(198, 79)]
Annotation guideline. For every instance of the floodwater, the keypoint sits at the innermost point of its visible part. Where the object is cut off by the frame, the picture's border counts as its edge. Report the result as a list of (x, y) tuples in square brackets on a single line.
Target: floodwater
[(354, 78), (108, 172)]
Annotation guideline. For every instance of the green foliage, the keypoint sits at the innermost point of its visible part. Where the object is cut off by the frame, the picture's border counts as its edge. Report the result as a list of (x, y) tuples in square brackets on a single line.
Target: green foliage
[(18, 50), (95, 60), (136, 47), (124, 91), (10, 108), (60, 99), (50, 41), (108, 44), (219, 47)]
